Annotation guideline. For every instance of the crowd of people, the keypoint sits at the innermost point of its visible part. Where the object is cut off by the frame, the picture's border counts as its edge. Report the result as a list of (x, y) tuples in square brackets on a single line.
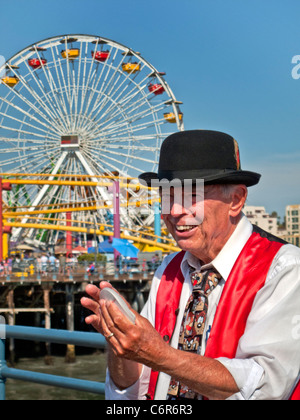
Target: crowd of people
[(66, 264), (40, 264)]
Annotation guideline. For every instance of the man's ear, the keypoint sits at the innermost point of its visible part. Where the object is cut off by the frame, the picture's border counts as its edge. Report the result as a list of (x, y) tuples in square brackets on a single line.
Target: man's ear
[(238, 199)]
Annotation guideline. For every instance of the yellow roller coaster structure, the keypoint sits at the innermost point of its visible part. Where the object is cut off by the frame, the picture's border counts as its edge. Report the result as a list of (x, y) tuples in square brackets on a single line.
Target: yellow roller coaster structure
[(141, 238)]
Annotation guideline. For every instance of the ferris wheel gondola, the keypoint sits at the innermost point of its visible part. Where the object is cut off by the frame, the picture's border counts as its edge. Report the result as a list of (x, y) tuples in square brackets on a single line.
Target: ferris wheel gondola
[(81, 104)]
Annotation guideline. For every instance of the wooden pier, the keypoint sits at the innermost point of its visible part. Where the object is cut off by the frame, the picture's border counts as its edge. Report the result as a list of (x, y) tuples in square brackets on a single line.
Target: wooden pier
[(53, 300)]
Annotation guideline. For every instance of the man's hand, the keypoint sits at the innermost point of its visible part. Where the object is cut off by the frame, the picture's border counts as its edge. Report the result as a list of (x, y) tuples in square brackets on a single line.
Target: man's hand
[(93, 305), (123, 372), (138, 342)]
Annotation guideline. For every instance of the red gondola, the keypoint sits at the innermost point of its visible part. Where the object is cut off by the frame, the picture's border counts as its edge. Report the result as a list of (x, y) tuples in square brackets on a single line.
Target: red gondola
[(156, 88), (101, 56), (37, 63)]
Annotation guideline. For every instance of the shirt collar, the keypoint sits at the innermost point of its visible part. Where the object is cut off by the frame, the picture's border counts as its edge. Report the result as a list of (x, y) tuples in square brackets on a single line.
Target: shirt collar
[(227, 257)]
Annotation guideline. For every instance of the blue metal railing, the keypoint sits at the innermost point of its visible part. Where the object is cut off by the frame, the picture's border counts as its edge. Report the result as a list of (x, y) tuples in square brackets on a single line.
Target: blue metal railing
[(83, 339)]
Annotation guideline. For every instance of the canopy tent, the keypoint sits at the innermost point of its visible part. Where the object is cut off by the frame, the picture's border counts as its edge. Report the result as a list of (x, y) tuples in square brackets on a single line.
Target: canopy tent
[(79, 250)]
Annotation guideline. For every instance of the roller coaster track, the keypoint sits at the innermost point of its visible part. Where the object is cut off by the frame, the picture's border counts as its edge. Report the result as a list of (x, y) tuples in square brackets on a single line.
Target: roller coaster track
[(141, 240), (145, 237)]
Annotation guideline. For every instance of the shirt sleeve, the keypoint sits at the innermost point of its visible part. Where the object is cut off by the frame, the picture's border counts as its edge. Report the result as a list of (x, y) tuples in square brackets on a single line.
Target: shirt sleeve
[(267, 362), (137, 391)]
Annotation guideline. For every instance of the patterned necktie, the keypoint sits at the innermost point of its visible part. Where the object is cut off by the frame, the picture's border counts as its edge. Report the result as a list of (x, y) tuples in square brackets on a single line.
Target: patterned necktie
[(193, 324)]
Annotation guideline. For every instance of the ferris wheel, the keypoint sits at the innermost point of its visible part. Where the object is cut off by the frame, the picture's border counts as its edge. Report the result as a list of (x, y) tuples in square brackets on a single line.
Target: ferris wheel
[(81, 105)]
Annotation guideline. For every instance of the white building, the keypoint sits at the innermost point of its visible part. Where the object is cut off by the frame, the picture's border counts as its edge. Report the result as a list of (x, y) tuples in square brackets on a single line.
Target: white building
[(292, 222), (292, 214), (258, 216)]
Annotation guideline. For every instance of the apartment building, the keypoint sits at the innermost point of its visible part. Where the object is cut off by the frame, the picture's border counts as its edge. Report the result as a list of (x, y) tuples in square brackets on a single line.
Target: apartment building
[(292, 214), (257, 215)]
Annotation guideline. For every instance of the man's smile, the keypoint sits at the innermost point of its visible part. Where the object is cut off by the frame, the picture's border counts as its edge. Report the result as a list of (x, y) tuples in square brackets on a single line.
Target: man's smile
[(185, 228), (185, 231)]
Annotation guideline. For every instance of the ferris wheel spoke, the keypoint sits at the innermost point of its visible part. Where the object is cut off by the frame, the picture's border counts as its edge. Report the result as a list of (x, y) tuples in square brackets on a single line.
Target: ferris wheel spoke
[(33, 108), (130, 99), (131, 110), (121, 128), (68, 83), (129, 119), (36, 159), (110, 115), (51, 82), (111, 152), (137, 88), (107, 93), (59, 92), (23, 149), (128, 81), (86, 103), (101, 168), (128, 139), (35, 96), (88, 85), (118, 163), (98, 104), (134, 117), (21, 131), (64, 86), (135, 147), (29, 140), (26, 114), (52, 106), (24, 123), (76, 83)]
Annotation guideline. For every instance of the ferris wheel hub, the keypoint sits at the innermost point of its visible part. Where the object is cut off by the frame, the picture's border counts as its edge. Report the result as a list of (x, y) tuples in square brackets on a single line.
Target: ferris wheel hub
[(70, 143)]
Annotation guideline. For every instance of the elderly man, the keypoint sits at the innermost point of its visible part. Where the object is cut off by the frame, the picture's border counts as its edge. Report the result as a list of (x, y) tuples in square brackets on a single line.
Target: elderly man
[(222, 318)]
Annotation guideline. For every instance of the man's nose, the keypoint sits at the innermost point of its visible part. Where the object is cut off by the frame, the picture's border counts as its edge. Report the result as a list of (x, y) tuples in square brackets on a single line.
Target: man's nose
[(177, 209)]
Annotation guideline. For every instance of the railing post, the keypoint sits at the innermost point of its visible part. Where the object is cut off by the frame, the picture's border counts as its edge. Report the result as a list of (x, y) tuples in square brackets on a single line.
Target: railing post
[(2, 365)]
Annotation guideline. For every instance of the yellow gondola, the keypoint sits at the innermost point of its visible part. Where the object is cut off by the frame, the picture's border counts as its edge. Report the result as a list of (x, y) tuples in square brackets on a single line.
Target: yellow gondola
[(71, 54), (10, 81), (171, 117), (131, 67)]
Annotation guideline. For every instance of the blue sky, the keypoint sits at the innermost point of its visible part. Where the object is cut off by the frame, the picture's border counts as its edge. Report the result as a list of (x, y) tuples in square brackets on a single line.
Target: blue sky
[(229, 61)]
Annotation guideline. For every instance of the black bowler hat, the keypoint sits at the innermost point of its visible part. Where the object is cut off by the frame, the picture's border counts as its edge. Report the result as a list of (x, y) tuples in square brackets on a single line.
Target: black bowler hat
[(201, 154)]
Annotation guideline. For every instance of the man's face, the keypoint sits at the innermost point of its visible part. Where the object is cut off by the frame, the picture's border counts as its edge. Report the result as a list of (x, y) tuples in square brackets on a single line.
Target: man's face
[(199, 238)]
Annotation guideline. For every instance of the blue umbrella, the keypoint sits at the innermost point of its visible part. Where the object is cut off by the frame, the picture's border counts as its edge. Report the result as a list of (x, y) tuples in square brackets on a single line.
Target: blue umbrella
[(125, 248), (105, 247), (92, 250)]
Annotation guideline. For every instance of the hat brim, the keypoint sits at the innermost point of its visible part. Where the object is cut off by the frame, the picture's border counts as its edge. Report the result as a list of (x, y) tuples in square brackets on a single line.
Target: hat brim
[(226, 176)]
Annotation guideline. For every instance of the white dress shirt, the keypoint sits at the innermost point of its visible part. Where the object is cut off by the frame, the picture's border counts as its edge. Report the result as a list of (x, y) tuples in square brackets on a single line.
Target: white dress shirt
[(267, 362)]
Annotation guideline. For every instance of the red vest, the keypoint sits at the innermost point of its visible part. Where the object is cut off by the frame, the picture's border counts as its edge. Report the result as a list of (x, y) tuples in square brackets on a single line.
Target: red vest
[(247, 277)]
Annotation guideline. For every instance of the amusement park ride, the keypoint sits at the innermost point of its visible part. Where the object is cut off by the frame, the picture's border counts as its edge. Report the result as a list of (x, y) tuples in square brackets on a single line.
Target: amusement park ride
[(80, 117)]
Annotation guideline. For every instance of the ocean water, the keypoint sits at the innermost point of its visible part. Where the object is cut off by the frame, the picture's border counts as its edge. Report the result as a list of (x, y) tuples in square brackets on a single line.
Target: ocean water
[(90, 367)]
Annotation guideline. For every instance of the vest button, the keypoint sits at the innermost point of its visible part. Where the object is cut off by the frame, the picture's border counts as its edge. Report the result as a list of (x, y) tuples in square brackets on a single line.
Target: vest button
[(166, 338)]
